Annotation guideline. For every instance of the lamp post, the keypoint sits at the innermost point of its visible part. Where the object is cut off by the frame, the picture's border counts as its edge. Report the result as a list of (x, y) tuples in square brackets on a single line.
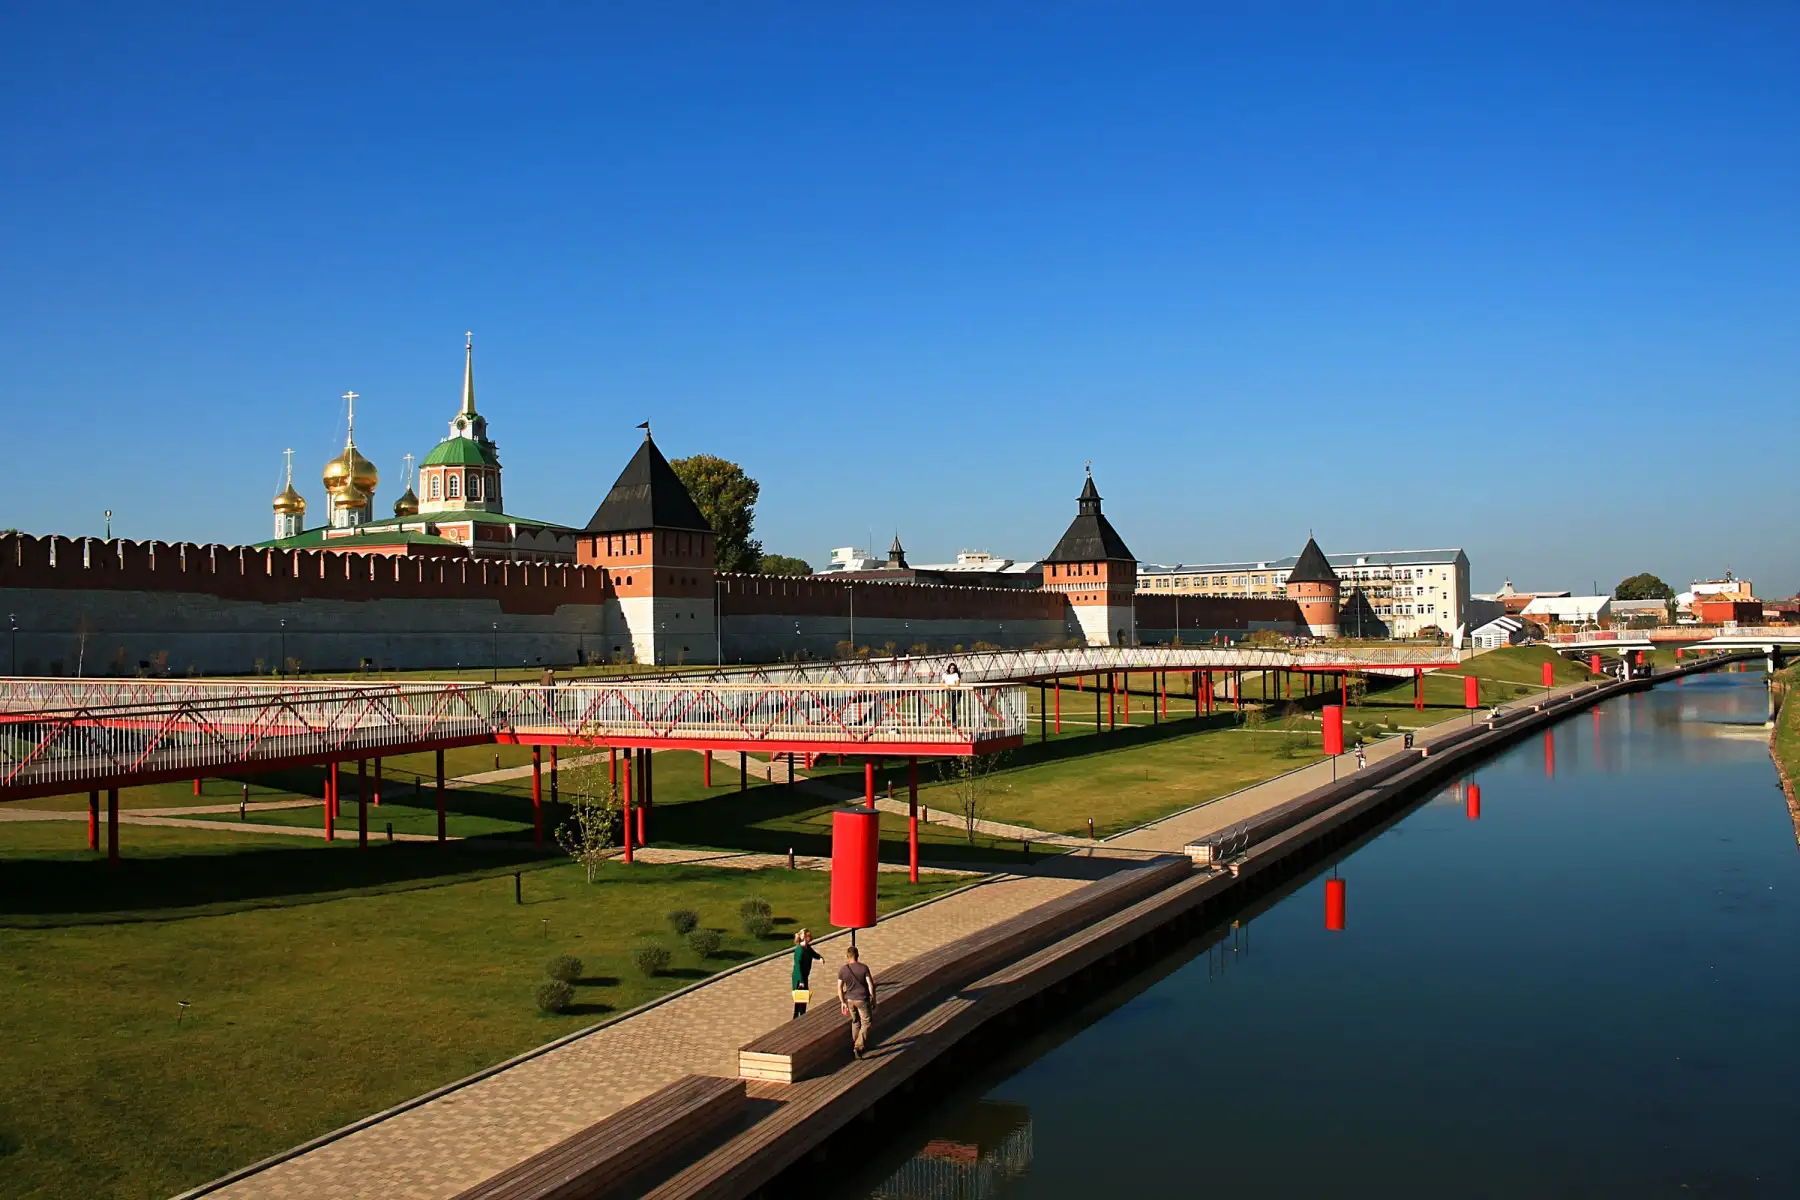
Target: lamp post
[(12, 660), (496, 654), (281, 667), (109, 524), (718, 622)]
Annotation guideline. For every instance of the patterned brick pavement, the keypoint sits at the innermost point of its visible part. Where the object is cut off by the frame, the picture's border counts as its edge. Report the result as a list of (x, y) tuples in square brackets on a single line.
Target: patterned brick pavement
[(459, 1139)]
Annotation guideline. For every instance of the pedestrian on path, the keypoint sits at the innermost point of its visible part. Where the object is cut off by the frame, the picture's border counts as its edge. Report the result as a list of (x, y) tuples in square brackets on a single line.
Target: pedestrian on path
[(804, 957), (856, 999), (1362, 760), (953, 679)]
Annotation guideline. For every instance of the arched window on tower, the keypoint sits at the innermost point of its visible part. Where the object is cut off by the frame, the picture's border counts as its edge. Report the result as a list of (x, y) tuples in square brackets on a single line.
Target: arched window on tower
[(475, 486), (434, 487), (454, 490)]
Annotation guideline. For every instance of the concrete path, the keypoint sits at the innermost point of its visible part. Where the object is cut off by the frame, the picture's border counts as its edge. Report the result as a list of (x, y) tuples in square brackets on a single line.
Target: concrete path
[(458, 1139), (750, 861), (139, 817)]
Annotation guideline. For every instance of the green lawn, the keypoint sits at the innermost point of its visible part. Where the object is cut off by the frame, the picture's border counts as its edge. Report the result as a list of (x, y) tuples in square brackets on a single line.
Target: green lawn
[(368, 978), (1786, 746)]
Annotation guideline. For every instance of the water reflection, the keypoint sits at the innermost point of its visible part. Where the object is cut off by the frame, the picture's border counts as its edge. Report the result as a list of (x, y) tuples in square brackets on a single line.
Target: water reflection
[(1587, 992), (977, 1151)]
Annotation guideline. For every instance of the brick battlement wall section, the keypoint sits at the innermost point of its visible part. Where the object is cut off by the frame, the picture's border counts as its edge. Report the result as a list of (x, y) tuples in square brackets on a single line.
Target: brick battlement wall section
[(1204, 616)]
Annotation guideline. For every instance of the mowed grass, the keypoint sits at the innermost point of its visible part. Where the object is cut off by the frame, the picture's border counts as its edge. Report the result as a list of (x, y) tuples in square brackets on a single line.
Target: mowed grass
[(323, 1008)]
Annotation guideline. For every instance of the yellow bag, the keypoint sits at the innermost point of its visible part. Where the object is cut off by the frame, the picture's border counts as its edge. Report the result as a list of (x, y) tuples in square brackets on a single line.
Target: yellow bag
[(802, 997)]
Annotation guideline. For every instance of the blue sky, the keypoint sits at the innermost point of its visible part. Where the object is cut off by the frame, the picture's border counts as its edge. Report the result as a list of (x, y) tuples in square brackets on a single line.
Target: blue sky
[(1520, 278)]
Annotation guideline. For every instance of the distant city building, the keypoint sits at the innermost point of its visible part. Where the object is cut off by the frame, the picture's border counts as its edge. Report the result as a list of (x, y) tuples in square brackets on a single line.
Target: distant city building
[(1641, 610), (1501, 631), (1512, 602), (972, 568), (1569, 610), (1399, 592)]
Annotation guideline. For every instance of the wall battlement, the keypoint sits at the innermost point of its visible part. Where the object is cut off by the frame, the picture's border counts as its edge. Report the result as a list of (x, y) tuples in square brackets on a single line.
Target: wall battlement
[(876, 599)]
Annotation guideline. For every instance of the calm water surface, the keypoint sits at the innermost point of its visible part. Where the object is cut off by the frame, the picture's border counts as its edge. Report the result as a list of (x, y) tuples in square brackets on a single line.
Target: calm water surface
[(1592, 990)]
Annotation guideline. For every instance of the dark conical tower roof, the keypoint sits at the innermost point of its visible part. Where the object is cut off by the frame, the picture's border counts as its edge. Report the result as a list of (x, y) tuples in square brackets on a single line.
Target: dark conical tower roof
[(1090, 536), (1311, 566), (648, 495)]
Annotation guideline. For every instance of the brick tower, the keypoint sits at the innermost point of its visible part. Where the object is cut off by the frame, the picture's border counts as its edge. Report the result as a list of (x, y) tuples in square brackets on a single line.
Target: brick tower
[(1097, 571), (1313, 585), (658, 551)]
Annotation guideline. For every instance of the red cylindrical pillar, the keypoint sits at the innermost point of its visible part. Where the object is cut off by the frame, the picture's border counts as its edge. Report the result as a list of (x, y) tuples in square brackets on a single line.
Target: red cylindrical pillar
[(1334, 905), (1594, 663), (1471, 692), (375, 797), (537, 795), (1640, 662), (855, 850), (1472, 801), (912, 820), (625, 803), (1549, 674), (1334, 728), (869, 783), (93, 820), (331, 802), (1679, 654), (1058, 705), (642, 840), (196, 785), (706, 768)]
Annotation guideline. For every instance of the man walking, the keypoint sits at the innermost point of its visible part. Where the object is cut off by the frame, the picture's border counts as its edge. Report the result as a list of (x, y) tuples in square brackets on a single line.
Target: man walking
[(856, 999)]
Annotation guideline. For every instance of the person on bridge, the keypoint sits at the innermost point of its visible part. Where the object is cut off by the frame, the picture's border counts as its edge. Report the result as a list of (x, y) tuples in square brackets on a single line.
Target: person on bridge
[(953, 678), (804, 957), (856, 999)]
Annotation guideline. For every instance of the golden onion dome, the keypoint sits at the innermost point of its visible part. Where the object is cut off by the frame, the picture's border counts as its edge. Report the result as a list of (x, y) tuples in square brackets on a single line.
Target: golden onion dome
[(290, 502), (351, 469), (349, 496), (407, 505)]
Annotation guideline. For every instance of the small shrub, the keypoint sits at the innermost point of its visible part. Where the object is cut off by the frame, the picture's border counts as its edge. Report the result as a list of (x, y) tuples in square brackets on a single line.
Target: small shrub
[(759, 925), (555, 996), (683, 921), (755, 906), (651, 960), (1521, 691), (563, 968), (705, 942)]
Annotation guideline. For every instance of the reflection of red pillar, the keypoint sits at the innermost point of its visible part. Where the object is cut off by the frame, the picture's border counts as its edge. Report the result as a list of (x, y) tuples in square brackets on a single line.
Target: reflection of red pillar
[(1472, 801), (625, 800), (93, 820), (1549, 755), (912, 820), (1334, 904), (537, 796)]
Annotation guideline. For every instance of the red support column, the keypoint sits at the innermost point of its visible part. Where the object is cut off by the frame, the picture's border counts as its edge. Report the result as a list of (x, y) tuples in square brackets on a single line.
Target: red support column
[(625, 800), (537, 796), (362, 804), (1127, 699), (440, 798), (196, 785), (706, 769), (1058, 706), (112, 826), (1112, 700), (868, 783), (1418, 690), (93, 820), (331, 802), (553, 775), (912, 820)]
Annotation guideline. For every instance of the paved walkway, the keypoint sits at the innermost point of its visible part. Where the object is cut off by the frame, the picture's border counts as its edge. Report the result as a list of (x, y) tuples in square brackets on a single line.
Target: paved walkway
[(459, 1139), (141, 817)]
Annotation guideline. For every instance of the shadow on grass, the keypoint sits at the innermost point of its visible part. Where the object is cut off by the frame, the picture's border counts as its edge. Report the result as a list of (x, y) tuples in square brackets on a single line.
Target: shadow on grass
[(598, 981), (583, 1008), (81, 888)]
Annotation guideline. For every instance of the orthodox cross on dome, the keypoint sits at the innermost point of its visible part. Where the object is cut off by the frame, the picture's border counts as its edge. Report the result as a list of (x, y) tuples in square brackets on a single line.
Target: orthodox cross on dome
[(289, 455), (350, 438), (409, 473)]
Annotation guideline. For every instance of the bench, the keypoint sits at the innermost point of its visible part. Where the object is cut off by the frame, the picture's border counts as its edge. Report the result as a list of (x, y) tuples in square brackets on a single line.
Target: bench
[(817, 1042), (603, 1158)]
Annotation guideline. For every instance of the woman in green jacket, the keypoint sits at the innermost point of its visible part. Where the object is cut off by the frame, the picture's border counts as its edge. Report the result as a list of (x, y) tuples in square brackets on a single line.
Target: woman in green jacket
[(804, 957)]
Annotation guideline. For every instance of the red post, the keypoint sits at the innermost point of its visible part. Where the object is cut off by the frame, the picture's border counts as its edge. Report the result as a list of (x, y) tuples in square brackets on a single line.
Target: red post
[(1594, 663), (376, 798), (1472, 801), (706, 768), (1640, 662), (440, 797), (362, 804), (112, 826), (537, 796), (1334, 905), (331, 802), (625, 797), (1549, 675), (912, 818), (640, 818), (855, 859), (553, 775), (1471, 692), (196, 785), (1344, 688), (1679, 653), (1128, 698), (869, 783), (1334, 728), (1163, 694), (1058, 710), (1112, 701), (93, 820), (1418, 690)]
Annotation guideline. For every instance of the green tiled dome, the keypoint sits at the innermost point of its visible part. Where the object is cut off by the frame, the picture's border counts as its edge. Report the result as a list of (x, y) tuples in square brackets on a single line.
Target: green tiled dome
[(460, 452)]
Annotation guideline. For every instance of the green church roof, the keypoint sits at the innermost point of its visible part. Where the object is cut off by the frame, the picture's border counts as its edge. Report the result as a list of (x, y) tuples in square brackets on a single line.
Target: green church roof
[(460, 452)]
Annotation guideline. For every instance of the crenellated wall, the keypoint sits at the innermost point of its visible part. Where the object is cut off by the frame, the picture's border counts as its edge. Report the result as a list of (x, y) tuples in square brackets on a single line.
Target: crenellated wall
[(1203, 617)]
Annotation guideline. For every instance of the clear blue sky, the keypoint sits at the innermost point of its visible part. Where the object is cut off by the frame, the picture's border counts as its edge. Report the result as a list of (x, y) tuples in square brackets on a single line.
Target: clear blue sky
[(1501, 276)]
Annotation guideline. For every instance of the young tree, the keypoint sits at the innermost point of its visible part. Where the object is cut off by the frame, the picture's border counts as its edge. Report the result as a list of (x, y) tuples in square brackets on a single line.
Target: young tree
[(726, 497), (973, 783), (1643, 586), (781, 564), (593, 802)]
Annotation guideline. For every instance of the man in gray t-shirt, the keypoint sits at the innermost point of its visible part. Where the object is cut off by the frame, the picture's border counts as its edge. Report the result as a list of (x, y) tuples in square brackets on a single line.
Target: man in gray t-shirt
[(856, 999)]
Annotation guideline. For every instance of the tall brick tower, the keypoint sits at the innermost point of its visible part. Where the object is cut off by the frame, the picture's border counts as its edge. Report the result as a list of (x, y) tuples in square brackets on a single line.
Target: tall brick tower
[(658, 551), (1313, 585), (1094, 567)]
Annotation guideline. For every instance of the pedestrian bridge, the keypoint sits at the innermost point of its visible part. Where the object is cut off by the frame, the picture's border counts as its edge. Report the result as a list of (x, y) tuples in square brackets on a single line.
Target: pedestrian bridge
[(1692, 637)]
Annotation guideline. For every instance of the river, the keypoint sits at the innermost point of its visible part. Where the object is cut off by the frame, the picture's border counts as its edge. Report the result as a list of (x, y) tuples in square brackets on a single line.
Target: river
[(1592, 989)]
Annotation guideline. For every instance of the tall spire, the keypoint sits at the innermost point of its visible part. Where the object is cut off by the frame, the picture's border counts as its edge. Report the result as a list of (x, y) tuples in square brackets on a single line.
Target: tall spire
[(468, 403)]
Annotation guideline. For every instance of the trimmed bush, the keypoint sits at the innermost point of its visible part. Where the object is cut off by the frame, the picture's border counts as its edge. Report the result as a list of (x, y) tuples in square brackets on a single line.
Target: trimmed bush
[(563, 968), (759, 925), (705, 942), (555, 996), (754, 906), (683, 921), (651, 960)]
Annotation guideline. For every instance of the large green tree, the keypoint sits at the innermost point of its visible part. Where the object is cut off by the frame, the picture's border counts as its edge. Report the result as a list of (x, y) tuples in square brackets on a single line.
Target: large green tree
[(727, 499), (782, 564), (1643, 587)]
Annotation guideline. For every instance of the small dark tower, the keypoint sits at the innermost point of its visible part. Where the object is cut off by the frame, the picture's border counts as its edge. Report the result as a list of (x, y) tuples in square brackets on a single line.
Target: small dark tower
[(896, 555)]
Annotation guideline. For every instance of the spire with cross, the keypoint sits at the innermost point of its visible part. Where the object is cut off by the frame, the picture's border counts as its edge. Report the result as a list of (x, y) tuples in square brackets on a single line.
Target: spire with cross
[(350, 435)]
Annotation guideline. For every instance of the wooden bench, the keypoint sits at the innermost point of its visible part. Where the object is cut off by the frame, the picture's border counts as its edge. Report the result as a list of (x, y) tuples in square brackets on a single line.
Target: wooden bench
[(818, 1041), (603, 1158)]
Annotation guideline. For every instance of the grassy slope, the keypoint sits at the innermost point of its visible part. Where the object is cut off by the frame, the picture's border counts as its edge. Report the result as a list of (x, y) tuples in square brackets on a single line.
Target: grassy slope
[(1786, 744), (306, 1016)]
